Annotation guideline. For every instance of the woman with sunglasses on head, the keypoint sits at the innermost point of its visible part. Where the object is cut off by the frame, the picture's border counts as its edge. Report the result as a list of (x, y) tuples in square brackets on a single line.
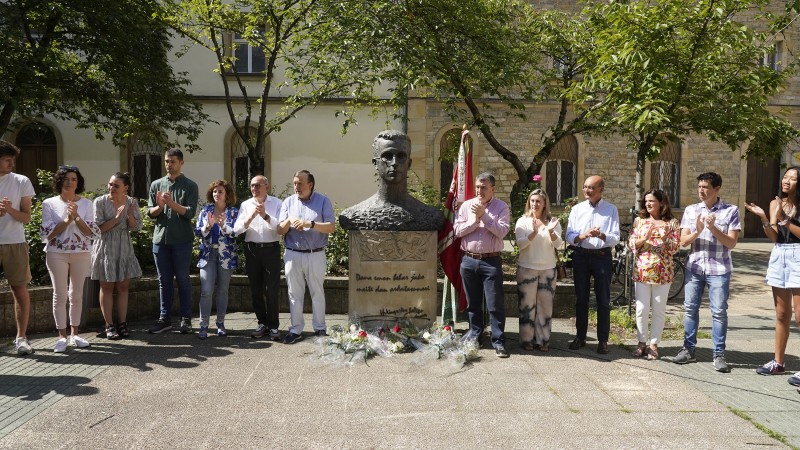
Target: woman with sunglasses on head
[(113, 260), (68, 229), (655, 238), (783, 271), (218, 258), (538, 236)]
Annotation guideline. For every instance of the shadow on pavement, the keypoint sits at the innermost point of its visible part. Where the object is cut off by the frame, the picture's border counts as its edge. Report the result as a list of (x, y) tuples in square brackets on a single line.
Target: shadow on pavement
[(32, 388)]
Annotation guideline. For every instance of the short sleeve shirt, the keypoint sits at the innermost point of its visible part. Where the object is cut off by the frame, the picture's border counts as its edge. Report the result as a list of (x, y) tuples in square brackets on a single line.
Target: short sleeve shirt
[(173, 228), (15, 187), (708, 255)]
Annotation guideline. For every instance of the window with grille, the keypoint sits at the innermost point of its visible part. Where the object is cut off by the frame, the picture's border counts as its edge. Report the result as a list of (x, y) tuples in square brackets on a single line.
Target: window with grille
[(240, 162), (665, 171), (145, 166), (249, 59), (560, 171)]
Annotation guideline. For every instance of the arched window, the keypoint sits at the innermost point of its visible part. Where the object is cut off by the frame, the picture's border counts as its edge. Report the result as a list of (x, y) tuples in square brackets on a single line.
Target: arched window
[(240, 163), (665, 171), (448, 158), (560, 171), (38, 150), (145, 165)]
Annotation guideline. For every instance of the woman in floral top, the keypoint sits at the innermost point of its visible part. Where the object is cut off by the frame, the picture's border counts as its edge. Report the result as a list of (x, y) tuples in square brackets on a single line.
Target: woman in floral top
[(68, 229), (218, 256), (655, 238)]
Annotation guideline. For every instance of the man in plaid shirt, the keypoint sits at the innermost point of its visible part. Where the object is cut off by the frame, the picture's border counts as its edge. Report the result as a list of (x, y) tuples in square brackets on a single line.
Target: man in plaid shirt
[(712, 228)]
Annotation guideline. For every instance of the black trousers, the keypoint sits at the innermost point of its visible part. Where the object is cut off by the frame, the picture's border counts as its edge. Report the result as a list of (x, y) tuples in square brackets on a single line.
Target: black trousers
[(264, 271)]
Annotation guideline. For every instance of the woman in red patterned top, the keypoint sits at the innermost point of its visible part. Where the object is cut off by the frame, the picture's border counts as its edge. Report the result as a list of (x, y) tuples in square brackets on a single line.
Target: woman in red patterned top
[(654, 238)]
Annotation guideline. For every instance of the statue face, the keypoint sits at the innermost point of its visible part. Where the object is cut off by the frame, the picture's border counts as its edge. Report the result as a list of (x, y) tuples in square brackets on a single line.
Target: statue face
[(392, 161)]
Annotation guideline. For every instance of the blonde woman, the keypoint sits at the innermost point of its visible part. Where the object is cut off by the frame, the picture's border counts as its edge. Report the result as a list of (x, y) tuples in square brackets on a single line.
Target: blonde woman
[(538, 236), (654, 239)]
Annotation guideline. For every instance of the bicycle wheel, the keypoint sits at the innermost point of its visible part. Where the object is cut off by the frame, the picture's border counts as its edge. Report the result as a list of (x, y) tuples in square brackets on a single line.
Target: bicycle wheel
[(677, 281)]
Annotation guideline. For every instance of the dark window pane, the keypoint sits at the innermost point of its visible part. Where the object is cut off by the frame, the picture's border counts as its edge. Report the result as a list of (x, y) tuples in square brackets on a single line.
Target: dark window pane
[(447, 169), (259, 60), (140, 182), (242, 58)]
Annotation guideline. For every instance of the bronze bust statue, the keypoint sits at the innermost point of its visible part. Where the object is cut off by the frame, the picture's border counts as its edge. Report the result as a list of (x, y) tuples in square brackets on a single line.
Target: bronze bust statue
[(392, 208)]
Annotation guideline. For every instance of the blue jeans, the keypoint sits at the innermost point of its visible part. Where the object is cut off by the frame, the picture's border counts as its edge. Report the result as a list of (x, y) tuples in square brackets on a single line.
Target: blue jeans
[(210, 274), (172, 261), (484, 277), (584, 267), (718, 302)]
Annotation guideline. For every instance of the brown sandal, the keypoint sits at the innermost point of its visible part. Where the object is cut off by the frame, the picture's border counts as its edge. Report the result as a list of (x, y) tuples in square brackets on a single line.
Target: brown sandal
[(640, 350), (527, 346), (652, 354), (544, 348)]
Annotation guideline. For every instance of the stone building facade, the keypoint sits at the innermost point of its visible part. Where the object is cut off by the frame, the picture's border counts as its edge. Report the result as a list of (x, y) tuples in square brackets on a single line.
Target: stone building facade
[(610, 157)]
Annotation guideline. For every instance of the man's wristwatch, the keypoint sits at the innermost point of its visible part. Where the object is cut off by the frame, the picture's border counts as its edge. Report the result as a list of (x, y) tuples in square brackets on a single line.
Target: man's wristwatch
[(312, 224)]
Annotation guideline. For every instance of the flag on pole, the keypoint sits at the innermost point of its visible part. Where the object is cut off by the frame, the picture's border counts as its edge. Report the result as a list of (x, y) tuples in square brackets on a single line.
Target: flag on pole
[(461, 189)]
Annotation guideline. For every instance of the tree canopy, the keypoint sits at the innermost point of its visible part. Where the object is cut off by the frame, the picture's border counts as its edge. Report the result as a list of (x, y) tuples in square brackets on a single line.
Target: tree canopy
[(307, 58), (104, 64), (662, 69)]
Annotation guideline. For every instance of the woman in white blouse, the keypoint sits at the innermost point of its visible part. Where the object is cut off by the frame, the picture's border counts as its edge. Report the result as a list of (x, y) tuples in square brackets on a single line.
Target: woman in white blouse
[(538, 236), (68, 229)]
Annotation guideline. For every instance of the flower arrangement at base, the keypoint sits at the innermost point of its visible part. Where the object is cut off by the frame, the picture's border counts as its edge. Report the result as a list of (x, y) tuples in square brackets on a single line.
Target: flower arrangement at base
[(349, 346), (441, 342)]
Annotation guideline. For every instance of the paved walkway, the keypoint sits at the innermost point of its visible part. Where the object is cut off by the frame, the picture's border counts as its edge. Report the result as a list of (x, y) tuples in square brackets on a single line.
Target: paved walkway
[(159, 391)]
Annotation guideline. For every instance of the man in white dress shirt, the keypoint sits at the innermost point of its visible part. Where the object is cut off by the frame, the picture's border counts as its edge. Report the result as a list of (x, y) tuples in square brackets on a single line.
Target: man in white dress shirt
[(258, 220)]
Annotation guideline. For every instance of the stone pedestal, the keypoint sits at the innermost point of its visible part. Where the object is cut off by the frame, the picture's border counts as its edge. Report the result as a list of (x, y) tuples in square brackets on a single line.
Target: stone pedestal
[(392, 277)]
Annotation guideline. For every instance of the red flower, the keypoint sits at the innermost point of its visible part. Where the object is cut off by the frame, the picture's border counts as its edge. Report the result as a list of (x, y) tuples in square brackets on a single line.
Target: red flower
[(396, 328), (362, 334), (447, 328)]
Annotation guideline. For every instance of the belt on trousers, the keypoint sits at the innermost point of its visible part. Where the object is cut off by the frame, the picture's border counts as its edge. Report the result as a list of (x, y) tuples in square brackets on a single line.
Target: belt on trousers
[(313, 250), (481, 255), (262, 244), (605, 251)]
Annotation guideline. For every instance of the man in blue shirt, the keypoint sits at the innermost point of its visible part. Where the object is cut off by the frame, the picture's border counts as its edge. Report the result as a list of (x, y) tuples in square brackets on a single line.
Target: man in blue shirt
[(306, 220), (592, 231)]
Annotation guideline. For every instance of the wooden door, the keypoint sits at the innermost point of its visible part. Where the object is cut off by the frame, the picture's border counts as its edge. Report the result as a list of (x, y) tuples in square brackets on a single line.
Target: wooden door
[(763, 183), (38, 150)]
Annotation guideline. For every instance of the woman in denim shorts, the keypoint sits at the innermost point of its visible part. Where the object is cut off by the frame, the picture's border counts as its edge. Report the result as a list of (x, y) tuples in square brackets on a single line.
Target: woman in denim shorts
[(783, 272)]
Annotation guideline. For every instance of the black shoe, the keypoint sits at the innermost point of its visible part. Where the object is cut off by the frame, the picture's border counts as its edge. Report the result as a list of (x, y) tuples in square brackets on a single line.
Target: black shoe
[(186, 325), (500, 351), (291, 338), (602, 348), (320, 333), (577, 343), (160, 326), (260, 332)]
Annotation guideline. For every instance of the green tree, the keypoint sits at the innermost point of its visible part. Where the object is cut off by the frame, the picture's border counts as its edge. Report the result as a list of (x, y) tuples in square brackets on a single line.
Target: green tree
[(675, 67), (484, 60), (307, 60), (103, 64)]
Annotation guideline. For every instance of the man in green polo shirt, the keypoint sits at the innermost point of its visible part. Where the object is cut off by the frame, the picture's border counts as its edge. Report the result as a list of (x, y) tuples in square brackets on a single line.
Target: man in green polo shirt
[(172, 203)]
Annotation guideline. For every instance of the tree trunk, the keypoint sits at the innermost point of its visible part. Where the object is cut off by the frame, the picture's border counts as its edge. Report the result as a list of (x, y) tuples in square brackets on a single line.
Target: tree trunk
[(5, 118)]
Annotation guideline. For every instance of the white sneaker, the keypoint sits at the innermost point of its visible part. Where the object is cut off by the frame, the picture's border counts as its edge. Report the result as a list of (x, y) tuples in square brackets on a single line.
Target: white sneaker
[(23, 346), (61, 346), (77, 341)]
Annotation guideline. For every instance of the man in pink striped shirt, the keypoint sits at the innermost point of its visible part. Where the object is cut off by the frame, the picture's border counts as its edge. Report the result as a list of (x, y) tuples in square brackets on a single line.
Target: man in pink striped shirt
[(482, 223)]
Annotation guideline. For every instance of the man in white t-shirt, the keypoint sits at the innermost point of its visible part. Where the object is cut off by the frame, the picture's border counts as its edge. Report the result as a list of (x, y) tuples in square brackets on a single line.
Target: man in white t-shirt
[(16, 194)]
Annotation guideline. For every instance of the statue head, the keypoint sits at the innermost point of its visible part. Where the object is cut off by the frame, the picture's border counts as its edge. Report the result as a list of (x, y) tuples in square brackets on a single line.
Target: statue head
[(391, 155)]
